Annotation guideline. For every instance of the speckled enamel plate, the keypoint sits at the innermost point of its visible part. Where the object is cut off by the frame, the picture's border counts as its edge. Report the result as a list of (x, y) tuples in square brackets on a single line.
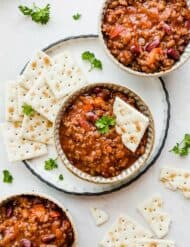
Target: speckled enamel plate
[(152, 90)]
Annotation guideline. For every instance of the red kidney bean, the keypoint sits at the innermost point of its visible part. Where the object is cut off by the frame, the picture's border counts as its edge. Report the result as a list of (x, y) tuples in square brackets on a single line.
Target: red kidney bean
[(25, 243), (187, 24), (167, 28), (151, 45), (135, 50), (91, 116), (9, 211), (172, 53), (48, 238), (97, 90)]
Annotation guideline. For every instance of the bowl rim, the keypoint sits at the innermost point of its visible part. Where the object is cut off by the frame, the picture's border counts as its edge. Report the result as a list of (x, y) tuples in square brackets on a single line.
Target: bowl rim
[(7, 198), (185, 55), (99, 179)]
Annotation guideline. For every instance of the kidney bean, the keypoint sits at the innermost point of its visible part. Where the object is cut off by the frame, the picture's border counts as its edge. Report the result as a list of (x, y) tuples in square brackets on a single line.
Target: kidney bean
[(172, 53), (48, 238), (187, 24), (91, 116), (9, 211), (151, 45), (167, 28), (97, 90), (135, 50), (25, 243)]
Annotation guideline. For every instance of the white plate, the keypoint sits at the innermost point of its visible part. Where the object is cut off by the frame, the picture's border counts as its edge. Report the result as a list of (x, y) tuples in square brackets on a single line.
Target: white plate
[(152, 90)]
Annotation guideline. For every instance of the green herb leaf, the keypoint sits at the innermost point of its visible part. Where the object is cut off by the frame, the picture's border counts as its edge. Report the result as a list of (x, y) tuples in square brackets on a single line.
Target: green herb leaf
[(61, 177), (39, 15), (77, 16), (51, 164), (182, 148), (27, 110), (7, 177), (104, 123), (25, 10), (94, 62)]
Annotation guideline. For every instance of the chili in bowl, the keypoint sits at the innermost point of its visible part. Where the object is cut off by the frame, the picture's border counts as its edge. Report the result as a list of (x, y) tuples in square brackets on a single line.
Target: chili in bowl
[(30, 220), (146, 37), (87, 138)]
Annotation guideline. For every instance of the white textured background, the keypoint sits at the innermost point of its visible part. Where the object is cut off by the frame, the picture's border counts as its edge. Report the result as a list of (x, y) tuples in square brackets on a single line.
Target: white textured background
[(19, 37)]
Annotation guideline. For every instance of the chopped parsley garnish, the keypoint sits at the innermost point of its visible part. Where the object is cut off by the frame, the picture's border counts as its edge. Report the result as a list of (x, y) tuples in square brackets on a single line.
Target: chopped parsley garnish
[(51, 164), (39, 15), (104, 123), (61, 177), (77, 16), (182, 148), (7, 177), (27, 110), (94, 62)]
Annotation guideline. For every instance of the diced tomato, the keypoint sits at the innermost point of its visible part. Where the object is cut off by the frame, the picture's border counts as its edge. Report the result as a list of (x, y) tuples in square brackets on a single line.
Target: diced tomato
[(84, 124), (153, 56), (54, 214), (87, 107), (115, 31)]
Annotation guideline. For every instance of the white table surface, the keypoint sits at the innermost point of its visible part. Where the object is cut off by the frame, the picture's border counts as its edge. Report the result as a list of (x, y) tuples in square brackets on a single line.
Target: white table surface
[(19, 38)]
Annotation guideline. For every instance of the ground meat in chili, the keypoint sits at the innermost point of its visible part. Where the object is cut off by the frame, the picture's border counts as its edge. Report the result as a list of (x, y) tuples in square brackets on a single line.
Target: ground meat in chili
[(85, 147), (147, 35), (31, 221)]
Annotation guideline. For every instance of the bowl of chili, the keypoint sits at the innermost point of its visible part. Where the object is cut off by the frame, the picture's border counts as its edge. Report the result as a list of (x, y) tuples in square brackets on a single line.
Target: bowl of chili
[(31, 220), (146, 37), (86, 138)]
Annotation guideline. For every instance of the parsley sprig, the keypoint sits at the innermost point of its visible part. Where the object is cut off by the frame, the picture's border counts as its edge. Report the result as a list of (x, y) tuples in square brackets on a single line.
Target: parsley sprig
[(77, 16), (27, 110), (182, 148), (50, 164), (39, 15), (61, 178), (104, 123), (94, 62), (7, 177)]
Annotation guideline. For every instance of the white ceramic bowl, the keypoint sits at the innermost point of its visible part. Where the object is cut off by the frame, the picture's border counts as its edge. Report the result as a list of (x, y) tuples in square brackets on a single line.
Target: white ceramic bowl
[(126, 174), (46, 197), (183, 58)]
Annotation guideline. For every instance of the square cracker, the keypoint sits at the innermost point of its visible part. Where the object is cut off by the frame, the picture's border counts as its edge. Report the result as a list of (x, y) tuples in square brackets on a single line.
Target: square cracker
[(130, 124), (147, 243), (176, 179), (37, 66), (65, 76), (122, 230), (41, 98), (18, 148), (37, 128), (153, 212), (11, 102)]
